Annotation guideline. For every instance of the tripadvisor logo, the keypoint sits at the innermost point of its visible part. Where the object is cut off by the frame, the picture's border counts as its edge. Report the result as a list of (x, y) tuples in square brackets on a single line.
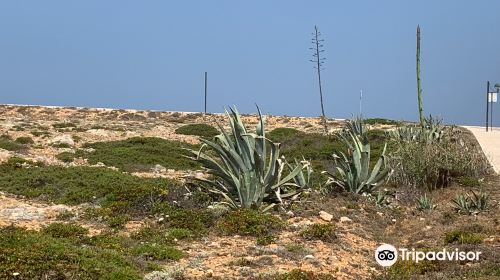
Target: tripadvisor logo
[(387, 255)]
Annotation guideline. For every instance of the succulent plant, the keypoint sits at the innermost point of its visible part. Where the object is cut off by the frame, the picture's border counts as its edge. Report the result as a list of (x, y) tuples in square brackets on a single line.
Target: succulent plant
[(249, 170), (425, 203), (471, 204), (352, 171)]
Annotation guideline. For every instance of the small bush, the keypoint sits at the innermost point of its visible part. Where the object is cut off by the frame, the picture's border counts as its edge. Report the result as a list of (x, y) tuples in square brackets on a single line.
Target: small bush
[(298, 274), (24, 140), (66, 156), (200, 129), (425, 203), (195, 220), (463, 237), (323, 232), (6, 143), (65, 230), (140, 154), (408, 269), (249, 222), (373, 121), (61, 145), (157, 252), (118, 193), (434, 165), (63, 125)]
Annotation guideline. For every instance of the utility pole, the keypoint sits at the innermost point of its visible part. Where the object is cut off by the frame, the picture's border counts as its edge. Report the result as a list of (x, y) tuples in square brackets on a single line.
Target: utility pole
[(318, 61), (205, 92), (487, 102)]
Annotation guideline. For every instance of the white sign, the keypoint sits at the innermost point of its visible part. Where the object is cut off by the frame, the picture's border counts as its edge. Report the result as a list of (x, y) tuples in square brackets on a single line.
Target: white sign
[(492, 97)]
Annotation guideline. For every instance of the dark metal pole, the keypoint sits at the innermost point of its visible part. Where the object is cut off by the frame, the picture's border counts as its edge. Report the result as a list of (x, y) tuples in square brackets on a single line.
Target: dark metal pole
[(487, 102), (205, 92)]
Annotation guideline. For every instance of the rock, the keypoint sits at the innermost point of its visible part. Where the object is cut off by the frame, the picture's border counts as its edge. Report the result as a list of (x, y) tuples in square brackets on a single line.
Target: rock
[(345, 220), (98, 132), (290, 214), (64, 139), (422, 219), (4, 155), (309, 257), (159, 169), (393, 220), (380, 214), (325, 216)]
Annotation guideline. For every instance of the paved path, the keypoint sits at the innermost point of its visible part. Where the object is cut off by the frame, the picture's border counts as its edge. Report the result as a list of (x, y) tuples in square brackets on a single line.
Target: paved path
[(490, 143)]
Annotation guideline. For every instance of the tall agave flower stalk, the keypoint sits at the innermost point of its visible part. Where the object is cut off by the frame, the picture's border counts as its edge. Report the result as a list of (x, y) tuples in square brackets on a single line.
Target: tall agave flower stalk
[(247, 166), (419, 81)]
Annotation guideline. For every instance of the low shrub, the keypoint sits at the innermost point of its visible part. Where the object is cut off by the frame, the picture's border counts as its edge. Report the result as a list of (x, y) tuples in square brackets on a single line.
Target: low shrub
[(463, 237), (115, 191), (323, 232), (433, 165), (24, 140), (250, 222), (7, 143), (140, 154), (66, 156), (200, 129), (157, 252), (65, 230)]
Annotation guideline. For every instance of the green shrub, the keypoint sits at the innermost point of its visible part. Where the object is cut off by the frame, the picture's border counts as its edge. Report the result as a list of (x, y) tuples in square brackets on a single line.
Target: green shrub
[(195, 220), (120, 193), (65, 230), (6, 143), (24, 140), (61, 145), (373, 121), (66, 156), (433, 165), (249, 222), (298, 274), (38, 255), (463, 237), (200, 129), (63, 125), (157, 252), (408, 269), (140, 154), (117, 221), (323, 232)]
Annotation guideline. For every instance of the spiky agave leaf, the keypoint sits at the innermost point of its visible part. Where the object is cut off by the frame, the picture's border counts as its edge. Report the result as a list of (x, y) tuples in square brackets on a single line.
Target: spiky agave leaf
[(352, 173), (247, 166)]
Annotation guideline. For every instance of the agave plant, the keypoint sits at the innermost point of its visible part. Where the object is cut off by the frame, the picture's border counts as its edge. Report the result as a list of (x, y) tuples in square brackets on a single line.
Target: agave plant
[(356, 125), (432, 131), (352, 171), (425, 203), (248, 170), (468, 204)]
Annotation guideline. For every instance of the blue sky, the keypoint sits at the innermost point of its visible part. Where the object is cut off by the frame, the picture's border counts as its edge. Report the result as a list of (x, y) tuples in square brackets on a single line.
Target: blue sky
[(153, 54)]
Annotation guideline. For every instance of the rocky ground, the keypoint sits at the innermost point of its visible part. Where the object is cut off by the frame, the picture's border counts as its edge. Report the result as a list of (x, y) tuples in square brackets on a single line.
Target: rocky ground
[(360, 225)]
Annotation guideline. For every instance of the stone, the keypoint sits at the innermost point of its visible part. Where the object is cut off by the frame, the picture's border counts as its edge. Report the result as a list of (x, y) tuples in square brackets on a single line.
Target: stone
[(159, 169), (308, 257), (325, 216), (345, 220), (65, 139)]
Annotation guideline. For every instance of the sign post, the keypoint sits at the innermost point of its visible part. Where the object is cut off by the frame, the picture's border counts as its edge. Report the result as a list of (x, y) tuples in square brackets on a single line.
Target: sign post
[(487, 103)]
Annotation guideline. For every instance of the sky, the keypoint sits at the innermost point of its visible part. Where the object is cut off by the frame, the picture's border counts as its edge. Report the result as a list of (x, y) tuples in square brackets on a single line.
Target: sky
[(153, 55)]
